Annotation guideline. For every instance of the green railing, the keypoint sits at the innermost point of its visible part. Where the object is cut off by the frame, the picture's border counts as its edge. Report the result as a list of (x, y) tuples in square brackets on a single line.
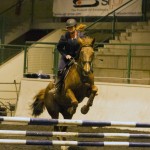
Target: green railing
[(130, 53), (8, 51), (112, 12), (105, 18), (44, 56)]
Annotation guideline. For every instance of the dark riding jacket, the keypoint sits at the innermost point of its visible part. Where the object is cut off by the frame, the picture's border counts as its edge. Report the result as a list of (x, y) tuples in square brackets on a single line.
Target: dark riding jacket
[(68, 46)]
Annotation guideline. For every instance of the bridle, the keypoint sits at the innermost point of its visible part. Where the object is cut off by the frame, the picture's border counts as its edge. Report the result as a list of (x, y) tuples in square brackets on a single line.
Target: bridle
[(82, 63)]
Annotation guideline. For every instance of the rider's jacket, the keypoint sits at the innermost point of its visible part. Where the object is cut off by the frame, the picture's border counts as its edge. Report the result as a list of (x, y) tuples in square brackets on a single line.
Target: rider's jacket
[(69, 46)]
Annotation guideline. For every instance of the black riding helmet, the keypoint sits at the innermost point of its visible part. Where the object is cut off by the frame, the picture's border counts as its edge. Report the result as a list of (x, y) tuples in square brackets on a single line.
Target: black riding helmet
[(71, 23)]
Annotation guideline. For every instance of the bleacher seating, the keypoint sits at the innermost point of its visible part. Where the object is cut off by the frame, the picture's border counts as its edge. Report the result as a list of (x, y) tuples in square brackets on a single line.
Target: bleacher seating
[(111, 61)]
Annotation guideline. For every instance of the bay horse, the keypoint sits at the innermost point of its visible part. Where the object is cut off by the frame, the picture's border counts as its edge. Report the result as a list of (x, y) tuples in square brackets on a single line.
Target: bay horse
[(77, 84)]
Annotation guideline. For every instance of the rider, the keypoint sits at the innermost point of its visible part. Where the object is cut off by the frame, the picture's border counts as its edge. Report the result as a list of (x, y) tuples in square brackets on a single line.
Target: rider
[(68, 45)]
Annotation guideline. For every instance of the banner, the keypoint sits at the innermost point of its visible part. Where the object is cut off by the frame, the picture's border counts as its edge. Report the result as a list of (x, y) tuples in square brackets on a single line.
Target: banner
[(86, 8)]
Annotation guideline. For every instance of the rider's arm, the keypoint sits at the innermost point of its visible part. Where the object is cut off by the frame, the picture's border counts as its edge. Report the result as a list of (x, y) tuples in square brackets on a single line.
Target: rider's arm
[(61, 45)]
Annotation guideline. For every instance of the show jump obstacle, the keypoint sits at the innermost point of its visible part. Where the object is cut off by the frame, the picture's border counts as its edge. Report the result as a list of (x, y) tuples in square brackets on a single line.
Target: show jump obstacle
[(85, 123), (39, 121)]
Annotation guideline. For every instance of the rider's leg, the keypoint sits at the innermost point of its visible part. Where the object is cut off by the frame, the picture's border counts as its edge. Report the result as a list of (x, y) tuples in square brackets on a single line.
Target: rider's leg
[(62, 64)]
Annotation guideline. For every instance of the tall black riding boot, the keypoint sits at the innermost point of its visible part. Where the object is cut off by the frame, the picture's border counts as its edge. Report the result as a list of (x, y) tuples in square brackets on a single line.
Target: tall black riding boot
[(59, 76)]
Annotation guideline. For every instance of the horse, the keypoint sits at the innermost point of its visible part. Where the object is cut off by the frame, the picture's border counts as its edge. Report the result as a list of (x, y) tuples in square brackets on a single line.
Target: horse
[(77, 84)]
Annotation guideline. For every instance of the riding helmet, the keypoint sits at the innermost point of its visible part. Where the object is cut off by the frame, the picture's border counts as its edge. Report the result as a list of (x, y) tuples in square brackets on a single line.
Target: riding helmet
[(71, 23)]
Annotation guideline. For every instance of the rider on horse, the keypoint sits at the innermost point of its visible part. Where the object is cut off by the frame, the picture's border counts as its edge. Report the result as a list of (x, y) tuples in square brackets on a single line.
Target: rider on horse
[(68, 45)]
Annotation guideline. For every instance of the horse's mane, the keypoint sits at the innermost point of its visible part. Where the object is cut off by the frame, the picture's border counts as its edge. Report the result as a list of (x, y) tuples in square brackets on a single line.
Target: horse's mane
[(86, 41)]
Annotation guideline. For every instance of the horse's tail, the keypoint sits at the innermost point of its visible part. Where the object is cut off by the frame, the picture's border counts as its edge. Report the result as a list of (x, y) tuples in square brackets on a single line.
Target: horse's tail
[(38, 105)]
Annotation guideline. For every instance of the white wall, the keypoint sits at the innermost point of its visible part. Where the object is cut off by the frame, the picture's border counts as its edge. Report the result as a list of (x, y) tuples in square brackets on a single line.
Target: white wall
[(10, 71), (114, 102), (13, 69)]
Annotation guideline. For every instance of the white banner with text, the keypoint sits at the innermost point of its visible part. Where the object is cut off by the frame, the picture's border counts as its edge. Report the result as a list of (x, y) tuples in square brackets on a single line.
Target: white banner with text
[(85, 8)]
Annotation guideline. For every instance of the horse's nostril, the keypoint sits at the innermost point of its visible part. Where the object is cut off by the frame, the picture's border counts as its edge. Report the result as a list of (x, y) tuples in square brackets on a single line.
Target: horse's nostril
[(87, 71)]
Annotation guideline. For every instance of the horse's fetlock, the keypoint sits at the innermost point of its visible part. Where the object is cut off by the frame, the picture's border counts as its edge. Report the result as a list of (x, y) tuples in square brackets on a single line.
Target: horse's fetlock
[(89, 104), (74, 103)]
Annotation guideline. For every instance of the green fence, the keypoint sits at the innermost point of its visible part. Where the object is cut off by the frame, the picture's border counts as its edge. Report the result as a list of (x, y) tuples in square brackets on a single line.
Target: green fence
[(42, 57), (131, 59), (8, 51)]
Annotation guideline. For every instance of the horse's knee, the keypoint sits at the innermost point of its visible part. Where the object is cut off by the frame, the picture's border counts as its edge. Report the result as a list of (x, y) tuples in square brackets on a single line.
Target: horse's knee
[(94, 89)]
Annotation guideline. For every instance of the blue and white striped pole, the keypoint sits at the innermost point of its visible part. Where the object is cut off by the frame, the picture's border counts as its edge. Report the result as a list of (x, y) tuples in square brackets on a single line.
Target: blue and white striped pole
[(72, 134), (73, 143), (38, 121)]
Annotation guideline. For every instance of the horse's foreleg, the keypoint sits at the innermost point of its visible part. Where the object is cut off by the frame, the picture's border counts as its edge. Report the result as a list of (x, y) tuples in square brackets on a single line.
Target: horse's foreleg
[(71, 96), (74, 102), (86, 107), (93, 93)]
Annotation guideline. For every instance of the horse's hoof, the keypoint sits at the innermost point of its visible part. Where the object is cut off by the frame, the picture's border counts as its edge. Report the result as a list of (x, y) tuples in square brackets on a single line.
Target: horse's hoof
[(84, 109), (71, 110)]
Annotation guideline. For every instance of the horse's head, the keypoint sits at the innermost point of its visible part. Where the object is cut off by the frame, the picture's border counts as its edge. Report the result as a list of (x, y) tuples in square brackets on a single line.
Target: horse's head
[(86, 54)]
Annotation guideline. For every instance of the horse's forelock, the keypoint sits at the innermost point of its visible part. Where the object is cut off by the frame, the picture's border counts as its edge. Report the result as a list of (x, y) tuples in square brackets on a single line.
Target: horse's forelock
[(86, 41)]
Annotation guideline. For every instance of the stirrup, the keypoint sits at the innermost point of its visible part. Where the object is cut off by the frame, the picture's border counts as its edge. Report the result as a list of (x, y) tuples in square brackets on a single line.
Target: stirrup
[(59, 73)]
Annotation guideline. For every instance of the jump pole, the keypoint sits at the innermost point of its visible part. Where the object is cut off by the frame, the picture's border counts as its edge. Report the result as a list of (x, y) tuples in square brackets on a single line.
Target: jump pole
[(89, 123), (72, 134), (73, 143)]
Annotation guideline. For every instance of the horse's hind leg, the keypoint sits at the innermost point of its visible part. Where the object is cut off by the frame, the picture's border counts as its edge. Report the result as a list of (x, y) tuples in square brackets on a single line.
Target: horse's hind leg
[(51, 106), (86, 107), (66, 115)]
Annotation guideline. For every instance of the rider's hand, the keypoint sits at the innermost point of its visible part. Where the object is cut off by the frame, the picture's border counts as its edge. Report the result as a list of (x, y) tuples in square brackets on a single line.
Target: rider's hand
[(68, 57)]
